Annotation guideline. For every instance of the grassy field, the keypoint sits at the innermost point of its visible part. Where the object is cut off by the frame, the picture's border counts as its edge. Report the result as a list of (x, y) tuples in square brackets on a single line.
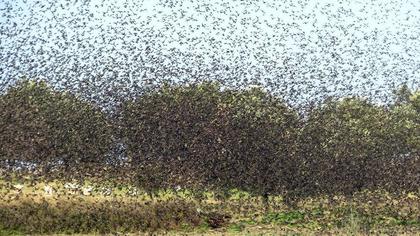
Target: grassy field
[(30, 210)]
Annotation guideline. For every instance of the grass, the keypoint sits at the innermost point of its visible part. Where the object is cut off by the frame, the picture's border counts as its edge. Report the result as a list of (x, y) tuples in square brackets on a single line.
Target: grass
[(179, 213)]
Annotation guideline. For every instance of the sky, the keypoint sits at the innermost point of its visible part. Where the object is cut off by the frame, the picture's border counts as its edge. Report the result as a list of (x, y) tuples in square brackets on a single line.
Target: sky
[(302, 50)]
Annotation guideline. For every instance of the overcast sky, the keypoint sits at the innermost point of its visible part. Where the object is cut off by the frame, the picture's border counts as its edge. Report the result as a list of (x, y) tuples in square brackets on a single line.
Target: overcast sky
[(302, 50)]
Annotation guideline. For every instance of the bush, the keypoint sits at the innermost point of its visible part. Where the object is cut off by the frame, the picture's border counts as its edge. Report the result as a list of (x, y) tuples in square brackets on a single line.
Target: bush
[(51, 129), (200, 136)]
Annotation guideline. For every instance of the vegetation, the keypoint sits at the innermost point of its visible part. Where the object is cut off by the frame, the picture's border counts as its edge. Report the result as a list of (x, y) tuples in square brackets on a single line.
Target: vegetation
[(351, 145), (33, 212), (51, 129), (201, 137), (200, 157)]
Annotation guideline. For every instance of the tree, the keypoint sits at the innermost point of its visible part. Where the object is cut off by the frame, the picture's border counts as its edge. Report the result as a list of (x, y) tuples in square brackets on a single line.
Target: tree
[(202, 137), (51, 129), (402, 94), (342, 143), (405, 114)]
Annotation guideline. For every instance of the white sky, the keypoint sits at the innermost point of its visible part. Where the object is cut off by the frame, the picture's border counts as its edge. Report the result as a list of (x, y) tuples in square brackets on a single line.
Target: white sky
[(302, 49)]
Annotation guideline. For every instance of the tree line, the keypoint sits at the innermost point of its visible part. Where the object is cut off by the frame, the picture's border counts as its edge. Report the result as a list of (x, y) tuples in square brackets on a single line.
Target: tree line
[(202, 137)]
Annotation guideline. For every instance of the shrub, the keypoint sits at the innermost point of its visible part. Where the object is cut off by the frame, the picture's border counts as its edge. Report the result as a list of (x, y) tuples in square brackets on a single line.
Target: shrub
[(51, 129)]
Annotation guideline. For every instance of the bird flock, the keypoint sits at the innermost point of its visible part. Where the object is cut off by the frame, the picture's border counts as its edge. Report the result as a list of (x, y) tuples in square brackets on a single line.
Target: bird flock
[(302, 50)]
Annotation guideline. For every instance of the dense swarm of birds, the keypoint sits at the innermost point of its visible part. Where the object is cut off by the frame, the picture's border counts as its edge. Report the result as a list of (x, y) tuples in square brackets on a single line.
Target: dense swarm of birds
[(304, 51), (159, 114)]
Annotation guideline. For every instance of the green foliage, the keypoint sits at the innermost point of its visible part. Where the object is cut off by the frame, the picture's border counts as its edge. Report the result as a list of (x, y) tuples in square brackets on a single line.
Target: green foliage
[(415, 100), (261, 135), (97, 214), (405, 126), (405, 122), (289, 218), (200, 136), (404, 130), (402, 94), (238, 227), (95, 217), (350, 145), (9, 232), (46, 127), (246, 146), (165, 132)]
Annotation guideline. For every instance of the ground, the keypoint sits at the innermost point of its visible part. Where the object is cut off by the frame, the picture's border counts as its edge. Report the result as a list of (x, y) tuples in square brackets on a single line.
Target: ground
[(31, 211)]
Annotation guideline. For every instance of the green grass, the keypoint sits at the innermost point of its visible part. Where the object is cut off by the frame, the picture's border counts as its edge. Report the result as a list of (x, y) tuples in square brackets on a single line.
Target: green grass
[(30, 212), (10, 232)]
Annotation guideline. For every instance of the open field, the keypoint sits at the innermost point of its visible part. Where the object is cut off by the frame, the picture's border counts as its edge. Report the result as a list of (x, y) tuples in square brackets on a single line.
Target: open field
[(30, 209)]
